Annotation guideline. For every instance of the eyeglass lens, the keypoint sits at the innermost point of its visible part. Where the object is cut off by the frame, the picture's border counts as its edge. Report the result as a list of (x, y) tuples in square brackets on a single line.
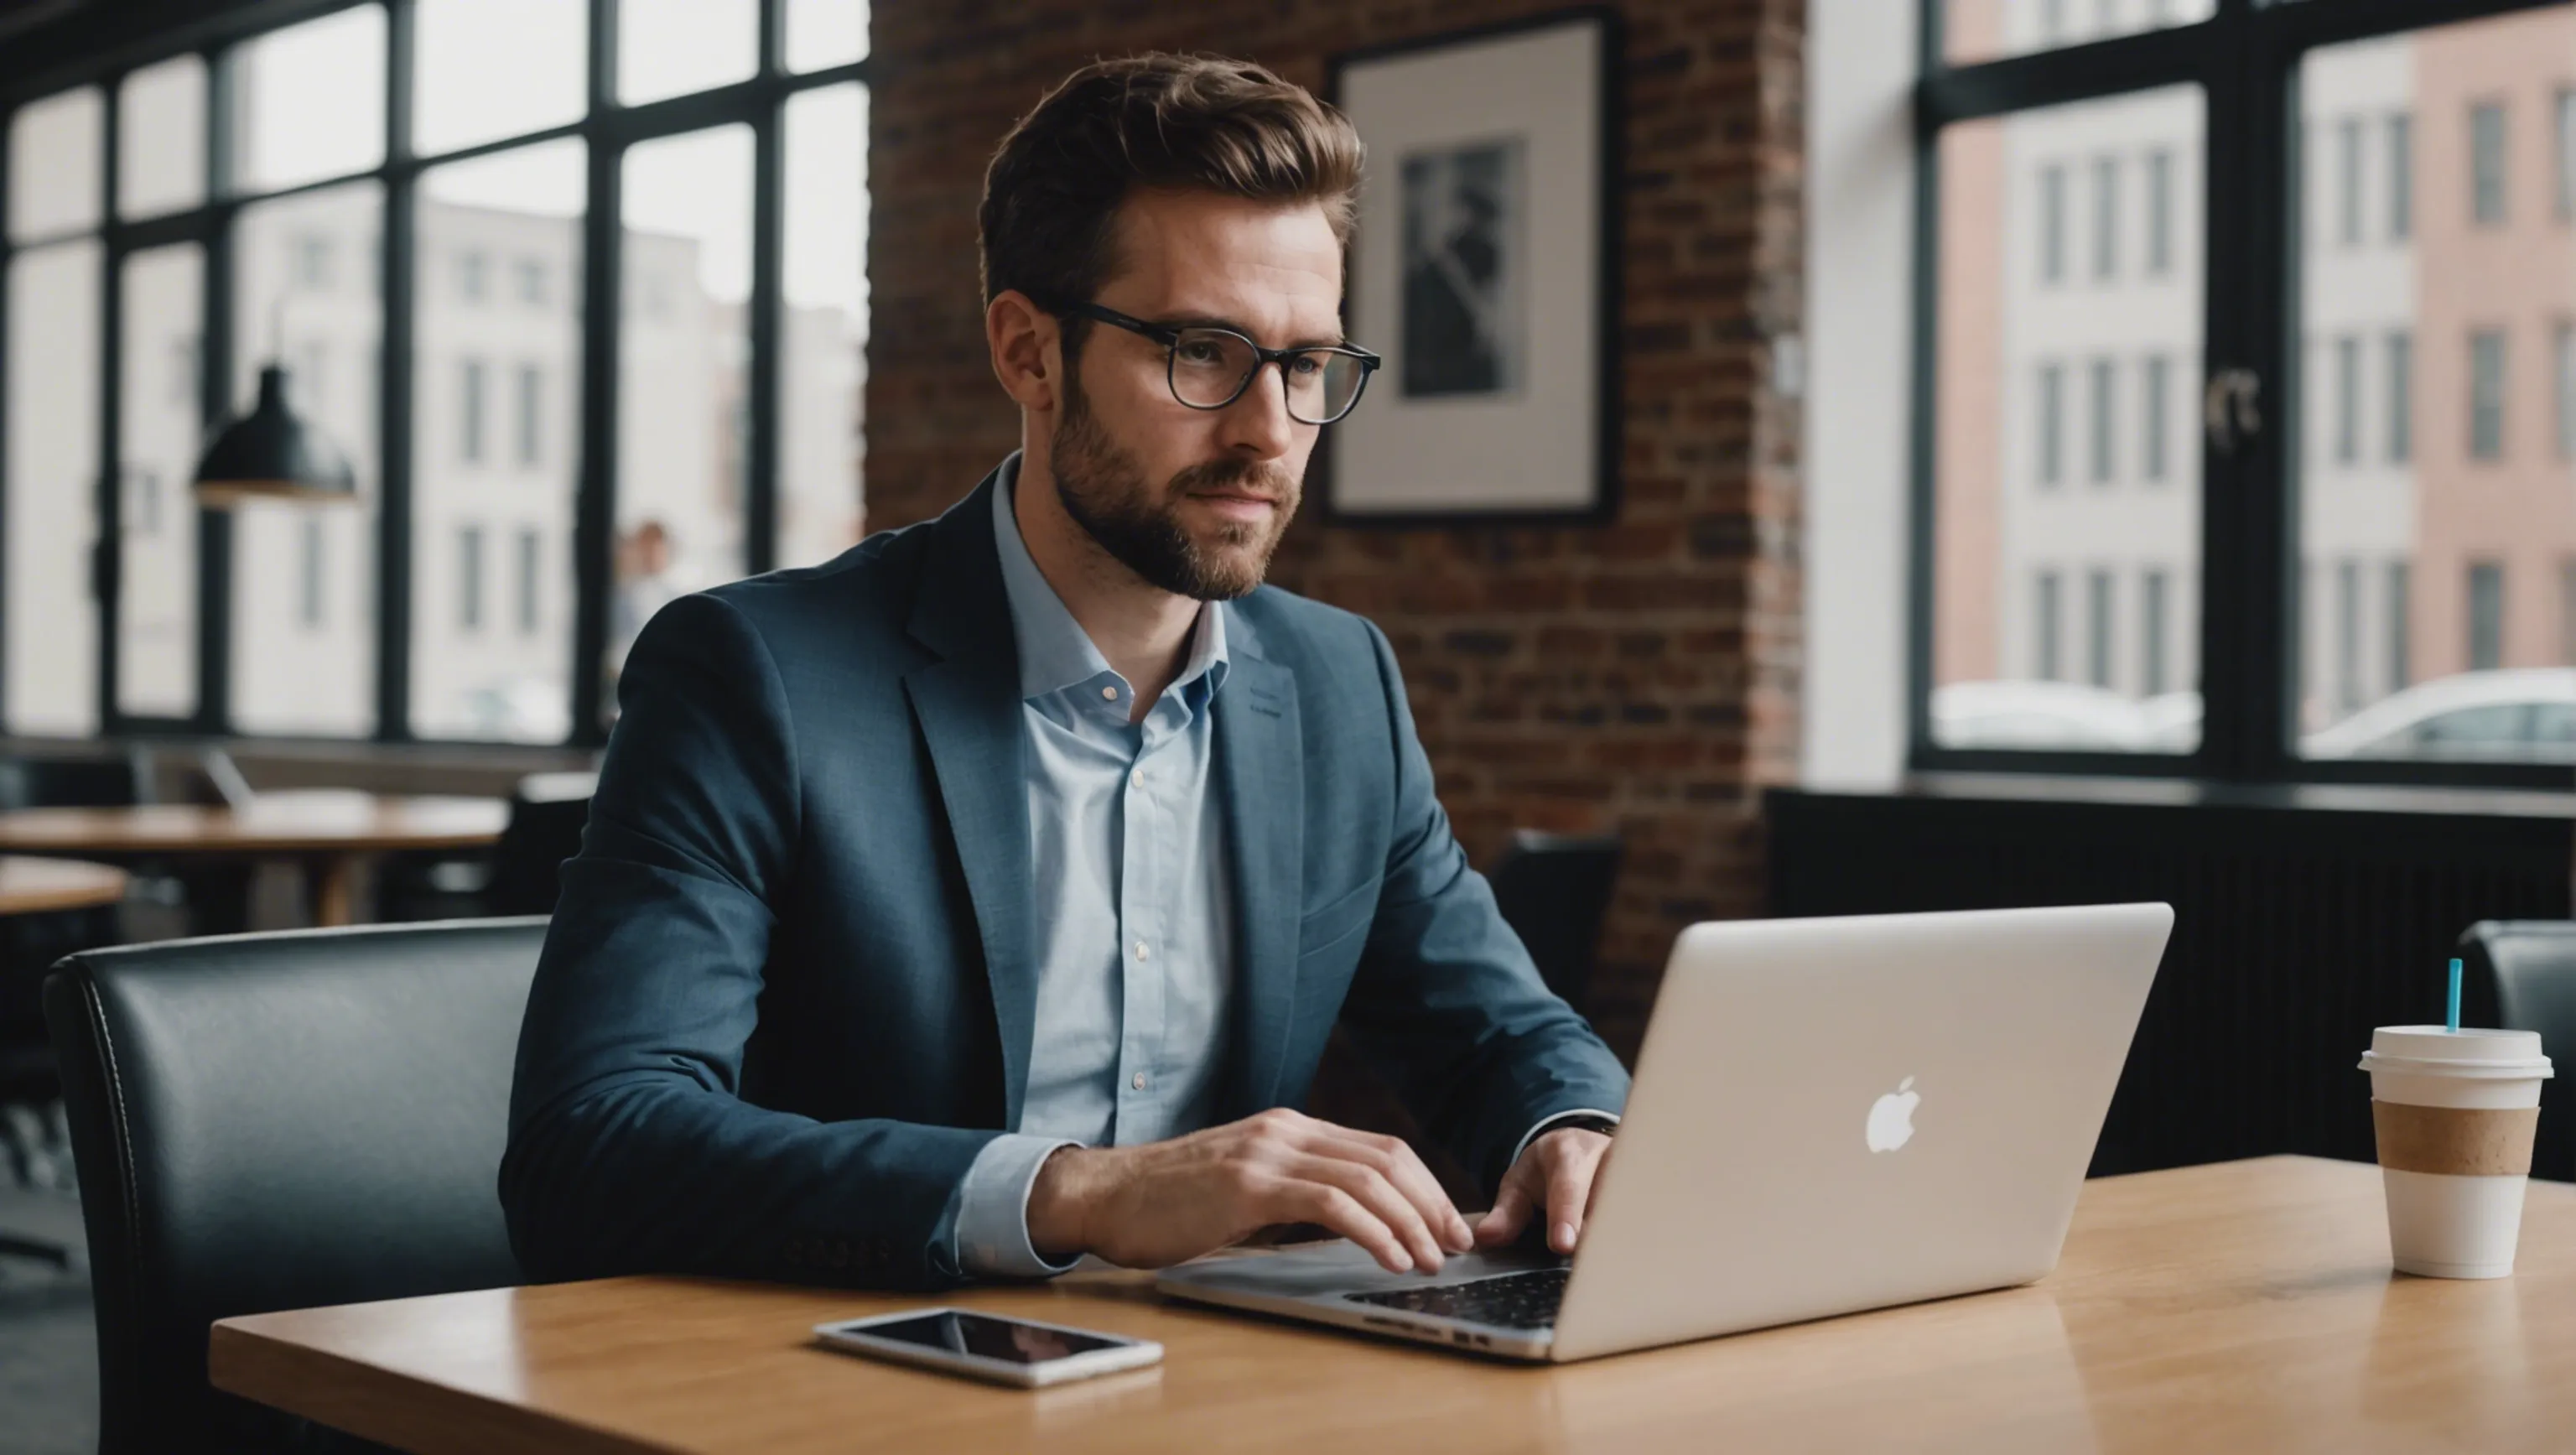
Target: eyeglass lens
[(1210, 367)]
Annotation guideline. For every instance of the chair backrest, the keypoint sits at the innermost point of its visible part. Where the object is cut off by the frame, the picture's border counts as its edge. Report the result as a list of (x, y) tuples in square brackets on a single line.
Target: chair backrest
[(280, 1121), (1554, 891), (2531, 965), (72, 782), (547, 813)]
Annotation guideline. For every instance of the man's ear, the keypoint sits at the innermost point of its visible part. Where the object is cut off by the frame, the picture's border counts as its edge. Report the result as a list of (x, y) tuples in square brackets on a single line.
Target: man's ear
[(1027, 347)]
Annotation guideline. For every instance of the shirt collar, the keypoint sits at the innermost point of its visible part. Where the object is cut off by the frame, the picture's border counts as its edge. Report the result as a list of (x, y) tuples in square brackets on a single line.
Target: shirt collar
[(1055, 652)]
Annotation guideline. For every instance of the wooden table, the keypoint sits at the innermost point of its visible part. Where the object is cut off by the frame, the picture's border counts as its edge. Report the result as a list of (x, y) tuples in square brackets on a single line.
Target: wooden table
[(2244, 1306), (330, 832), (34, 886)]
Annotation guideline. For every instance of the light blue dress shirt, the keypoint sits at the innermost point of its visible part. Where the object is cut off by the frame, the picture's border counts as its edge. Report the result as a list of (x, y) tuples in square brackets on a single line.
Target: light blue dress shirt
[(1129, 871), (1130, 876)]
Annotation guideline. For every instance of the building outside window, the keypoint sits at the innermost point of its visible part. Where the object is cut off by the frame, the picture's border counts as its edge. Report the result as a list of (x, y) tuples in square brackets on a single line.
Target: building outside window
[(2159, 174), (2049, 618), (530, 413), (2097, 655), (2567, 612), (469, 578), (2486, 394), (2153, 414), (530, 599), (312, 262), (2106, 218), (2486, 615), (469, 411), (2152, 586), (2348, 178), (2052, 424), (2348, 685), (2398, 358), (531, 273), (2401, 177), (2562, 135), (2052, 223), (309, 580), (473, 276), (2486, 163), (2347, 400), (2562, 350), (2102, 417)]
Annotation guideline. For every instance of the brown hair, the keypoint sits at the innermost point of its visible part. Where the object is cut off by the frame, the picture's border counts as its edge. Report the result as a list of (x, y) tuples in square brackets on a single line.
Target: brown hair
[(1158, 120)]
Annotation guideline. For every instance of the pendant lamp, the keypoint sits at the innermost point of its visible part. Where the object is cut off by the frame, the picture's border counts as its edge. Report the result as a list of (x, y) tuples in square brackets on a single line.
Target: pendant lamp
[(272, 454)]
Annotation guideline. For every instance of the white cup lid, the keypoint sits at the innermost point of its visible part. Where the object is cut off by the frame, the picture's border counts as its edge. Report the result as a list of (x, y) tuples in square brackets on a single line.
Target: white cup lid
[(2464, 1052)]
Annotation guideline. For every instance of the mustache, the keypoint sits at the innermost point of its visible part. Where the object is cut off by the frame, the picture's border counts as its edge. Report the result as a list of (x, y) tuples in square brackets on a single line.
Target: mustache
[(1264, 478)]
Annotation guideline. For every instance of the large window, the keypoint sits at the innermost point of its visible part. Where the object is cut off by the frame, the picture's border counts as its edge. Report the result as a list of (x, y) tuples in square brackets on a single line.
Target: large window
[(2361, 566), (577, 285)]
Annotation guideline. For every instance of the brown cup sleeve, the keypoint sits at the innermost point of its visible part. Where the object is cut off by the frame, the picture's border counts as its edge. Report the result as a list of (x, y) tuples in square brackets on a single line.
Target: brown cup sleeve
[(2459, 1141)]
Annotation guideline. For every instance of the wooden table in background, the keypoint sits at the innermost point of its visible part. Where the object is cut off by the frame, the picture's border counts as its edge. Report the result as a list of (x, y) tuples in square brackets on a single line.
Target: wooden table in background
[(35, 886), (2244, 1306), (328, 831)]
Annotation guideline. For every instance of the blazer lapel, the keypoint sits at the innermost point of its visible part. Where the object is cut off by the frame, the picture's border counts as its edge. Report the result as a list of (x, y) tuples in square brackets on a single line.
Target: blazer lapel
[(968, 707), (1261, 769)]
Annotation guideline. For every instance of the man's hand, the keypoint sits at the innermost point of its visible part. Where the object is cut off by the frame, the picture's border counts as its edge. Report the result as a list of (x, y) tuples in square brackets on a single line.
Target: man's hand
[(1163, 1202), (1554, 1175)]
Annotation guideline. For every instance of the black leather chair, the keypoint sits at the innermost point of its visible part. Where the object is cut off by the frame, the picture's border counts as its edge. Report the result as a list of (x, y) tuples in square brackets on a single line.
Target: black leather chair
[(2529, 967), (279, 1121), (547, 814), (1554, 890)]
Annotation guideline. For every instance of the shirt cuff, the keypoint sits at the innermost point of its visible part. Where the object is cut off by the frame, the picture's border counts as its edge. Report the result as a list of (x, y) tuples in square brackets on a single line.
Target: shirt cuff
[(993, 1209), (1532, 1135)]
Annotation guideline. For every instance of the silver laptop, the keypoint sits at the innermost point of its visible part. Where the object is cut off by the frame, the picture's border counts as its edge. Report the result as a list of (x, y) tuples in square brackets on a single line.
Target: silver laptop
[(1829, 1115)]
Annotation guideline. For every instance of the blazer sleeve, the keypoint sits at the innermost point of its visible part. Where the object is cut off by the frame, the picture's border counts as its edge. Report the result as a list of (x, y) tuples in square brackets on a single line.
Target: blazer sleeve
[(630, 1150), (1446, 1001)]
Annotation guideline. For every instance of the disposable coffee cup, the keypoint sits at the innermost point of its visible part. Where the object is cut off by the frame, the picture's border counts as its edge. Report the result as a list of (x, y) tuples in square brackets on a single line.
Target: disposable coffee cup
[(2455, 1112)]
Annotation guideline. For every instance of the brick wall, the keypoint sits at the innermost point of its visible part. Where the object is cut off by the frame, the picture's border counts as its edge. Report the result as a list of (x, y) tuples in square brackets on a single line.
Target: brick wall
[(1640, 676)]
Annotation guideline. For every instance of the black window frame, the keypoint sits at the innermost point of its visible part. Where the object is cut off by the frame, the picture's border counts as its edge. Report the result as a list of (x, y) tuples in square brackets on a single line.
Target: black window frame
[(2244, 57), (104, 57)]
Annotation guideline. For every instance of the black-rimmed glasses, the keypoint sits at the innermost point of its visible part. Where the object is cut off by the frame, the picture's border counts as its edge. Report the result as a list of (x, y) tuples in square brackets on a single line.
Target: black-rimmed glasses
[(1210, 367)]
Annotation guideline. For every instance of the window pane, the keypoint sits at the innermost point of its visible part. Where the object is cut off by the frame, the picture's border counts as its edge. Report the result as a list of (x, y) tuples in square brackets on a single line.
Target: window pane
[(54, 171), (2066, 616), (52, 519), (160, 429), (495, 409), (1985, 30), (673, 47), (161, 138), (2431, 624), (304, 579), (496, 68), (824, 33), (821, 501), (313, 100), (680, 381)]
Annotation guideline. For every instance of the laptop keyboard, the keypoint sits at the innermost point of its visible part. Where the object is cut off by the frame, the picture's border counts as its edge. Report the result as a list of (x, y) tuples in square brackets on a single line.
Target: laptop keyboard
[(1524, 1300)]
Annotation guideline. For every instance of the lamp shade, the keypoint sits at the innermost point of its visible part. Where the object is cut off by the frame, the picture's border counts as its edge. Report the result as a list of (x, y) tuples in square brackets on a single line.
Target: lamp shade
[(270, 454)]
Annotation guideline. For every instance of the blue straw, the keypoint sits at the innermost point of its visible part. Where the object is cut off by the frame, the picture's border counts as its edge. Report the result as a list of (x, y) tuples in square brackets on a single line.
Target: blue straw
[(2452, 1023)]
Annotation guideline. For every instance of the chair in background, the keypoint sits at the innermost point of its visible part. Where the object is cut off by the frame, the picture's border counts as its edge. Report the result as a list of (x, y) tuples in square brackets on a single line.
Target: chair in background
[(281, 1121), (519, 875), (2530, 968), (1554, 890)]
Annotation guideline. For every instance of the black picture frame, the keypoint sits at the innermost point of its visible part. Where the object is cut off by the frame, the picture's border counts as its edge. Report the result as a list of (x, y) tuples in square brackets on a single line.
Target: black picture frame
[(1603, 311)]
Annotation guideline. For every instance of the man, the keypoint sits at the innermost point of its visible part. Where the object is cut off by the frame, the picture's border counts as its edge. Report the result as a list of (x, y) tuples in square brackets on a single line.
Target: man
[(983, 898)]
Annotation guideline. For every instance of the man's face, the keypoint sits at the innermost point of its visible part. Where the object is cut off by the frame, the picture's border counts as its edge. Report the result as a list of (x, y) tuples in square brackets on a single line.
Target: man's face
[(1194, 501)]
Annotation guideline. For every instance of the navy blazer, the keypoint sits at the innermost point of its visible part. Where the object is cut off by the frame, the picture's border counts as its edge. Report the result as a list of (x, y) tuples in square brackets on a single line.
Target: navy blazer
[(788, 991)]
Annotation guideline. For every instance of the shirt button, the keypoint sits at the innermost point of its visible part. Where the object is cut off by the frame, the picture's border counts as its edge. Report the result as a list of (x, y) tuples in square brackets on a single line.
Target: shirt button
[(1139, 1081), (1109, 694), (1140, 950)]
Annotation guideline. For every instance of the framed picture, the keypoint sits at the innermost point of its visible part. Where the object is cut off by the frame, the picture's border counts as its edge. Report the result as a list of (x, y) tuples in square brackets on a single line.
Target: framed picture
[(1485, 269)]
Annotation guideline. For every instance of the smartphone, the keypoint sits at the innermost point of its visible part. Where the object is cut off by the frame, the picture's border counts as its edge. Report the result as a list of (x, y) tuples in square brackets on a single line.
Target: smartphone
[(993, 1347)]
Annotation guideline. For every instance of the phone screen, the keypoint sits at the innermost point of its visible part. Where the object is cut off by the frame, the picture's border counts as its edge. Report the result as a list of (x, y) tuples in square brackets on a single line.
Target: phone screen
[(987, 1337)]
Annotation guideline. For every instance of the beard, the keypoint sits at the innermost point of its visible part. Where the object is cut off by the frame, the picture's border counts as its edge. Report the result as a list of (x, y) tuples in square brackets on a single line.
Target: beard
[(1104, 489)]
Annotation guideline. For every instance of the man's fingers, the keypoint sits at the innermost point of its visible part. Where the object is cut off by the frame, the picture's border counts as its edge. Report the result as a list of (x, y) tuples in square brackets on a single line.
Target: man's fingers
[(1569, 1190), (1509, 1213), (1321, 1202), (1402, 1166), (1377, 1195)]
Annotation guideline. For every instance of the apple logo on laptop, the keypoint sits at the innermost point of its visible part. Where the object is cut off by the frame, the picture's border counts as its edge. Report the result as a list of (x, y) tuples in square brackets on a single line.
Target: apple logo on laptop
[(1891, 1117)]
